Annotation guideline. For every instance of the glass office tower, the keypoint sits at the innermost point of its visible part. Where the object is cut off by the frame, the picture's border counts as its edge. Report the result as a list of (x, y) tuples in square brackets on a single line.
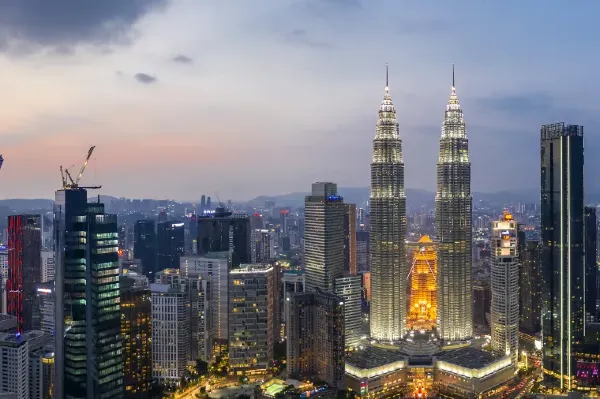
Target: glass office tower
[(88, 362), (562, 254)]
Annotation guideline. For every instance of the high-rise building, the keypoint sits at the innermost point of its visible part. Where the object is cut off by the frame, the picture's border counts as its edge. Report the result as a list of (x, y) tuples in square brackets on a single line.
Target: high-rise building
[(199, 293), (389, 267), (47, 264), (41, 373), (315, 344), (170, 328), (263, 246), (24, 267), (253, 294), (591, 241), (505, 287), (15, 363), (291, 282), (453, 203), (3, 275), (481, 303), (529, 285), (202, 203), (350, 253), (213, 267), (170, 238), (136, 333), (350, 290), (284, 220), (191, 236), (44, 310), (363, 256), (422, 313), (323, 237), (87, 345), (144, 247), (563, 245), (224, 231)]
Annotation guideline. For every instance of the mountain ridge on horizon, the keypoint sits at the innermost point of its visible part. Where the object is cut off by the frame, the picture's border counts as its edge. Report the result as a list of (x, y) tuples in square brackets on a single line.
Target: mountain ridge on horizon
[(359, 195)]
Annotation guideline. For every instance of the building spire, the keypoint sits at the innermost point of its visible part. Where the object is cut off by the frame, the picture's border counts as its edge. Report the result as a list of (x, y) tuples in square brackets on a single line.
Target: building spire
[(453, 75), (386, 76)]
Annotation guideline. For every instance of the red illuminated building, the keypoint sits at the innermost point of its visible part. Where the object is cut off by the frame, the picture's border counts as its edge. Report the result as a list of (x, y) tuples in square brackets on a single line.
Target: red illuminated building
[(24, 267)]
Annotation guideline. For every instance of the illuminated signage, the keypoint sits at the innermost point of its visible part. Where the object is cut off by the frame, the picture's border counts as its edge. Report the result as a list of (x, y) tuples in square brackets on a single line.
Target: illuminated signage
[(44, 290)]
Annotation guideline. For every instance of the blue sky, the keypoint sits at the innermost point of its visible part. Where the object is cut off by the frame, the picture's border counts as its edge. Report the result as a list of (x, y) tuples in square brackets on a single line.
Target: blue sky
[(242, 98)]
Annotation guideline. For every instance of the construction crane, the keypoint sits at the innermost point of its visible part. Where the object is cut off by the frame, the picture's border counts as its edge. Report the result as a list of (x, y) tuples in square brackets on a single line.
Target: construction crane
[(67, 179)]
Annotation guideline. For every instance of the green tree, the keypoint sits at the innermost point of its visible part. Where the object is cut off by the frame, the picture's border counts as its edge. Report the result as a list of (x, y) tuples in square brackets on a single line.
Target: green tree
[(201, 367)]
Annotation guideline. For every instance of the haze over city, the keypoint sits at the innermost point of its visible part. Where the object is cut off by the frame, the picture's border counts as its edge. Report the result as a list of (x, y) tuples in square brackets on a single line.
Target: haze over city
[(266, 97)]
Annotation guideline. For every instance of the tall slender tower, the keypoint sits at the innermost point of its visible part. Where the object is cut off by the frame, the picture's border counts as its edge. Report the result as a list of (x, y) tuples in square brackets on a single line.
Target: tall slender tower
[(562, 253), (453, 204), (389, 267), (505, 287)]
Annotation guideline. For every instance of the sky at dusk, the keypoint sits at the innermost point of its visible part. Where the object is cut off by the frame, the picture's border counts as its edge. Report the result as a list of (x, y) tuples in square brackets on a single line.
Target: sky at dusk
[(238, 98)]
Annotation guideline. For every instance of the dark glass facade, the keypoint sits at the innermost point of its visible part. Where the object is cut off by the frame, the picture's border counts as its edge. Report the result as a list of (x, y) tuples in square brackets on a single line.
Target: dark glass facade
[(529, 285), (170, 241), (88, 341), (24, 268), (562, 250), (315, 344), (144, 247), (136, 331), (591, 237), (219, 231)]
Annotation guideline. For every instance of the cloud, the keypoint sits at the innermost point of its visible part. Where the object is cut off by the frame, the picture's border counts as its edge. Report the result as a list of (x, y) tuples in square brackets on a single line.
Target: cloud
[(183, 59), (35, 24), (145, 78), (301, 38)]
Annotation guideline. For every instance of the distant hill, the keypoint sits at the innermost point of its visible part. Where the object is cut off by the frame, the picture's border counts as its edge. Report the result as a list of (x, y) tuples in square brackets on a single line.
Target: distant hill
[(23, 205), (414, 197)]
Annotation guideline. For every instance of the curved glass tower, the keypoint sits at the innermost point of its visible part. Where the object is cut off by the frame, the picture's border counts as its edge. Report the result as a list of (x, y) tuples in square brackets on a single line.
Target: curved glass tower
[(389, 267), (453, 226)]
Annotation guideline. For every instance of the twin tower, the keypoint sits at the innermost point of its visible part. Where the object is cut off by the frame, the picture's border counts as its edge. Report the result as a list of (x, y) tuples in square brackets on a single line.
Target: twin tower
[(389, 264)]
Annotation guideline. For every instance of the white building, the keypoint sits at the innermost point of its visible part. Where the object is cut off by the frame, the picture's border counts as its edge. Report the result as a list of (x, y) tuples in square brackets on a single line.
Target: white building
[(15, 352), (170, 329), (505, 287), (47, 256), (214, 268)]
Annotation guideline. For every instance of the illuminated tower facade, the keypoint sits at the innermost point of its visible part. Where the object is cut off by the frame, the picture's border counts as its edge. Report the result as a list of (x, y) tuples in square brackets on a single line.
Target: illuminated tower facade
[(505, 287), (453, 226), (389, 267), (422, 314)]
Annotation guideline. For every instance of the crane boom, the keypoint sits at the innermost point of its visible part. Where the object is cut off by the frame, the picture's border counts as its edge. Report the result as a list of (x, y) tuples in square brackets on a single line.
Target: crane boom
[(89, 155), (68, 181)]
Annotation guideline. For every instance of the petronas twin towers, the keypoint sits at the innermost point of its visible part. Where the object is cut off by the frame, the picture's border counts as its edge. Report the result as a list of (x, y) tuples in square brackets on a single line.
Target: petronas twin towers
[(389, 264)]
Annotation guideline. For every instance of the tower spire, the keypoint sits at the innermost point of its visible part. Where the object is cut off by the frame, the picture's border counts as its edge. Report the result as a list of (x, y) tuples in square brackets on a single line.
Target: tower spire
[(386, 76), (453, 76)]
